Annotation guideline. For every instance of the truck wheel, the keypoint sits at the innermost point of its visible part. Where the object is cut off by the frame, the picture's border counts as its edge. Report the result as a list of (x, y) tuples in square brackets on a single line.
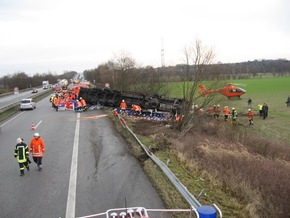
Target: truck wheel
[(153, 103)]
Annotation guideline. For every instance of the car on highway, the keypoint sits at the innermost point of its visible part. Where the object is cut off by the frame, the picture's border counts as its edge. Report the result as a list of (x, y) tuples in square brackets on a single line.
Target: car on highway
[(34, 90), (27, 104)]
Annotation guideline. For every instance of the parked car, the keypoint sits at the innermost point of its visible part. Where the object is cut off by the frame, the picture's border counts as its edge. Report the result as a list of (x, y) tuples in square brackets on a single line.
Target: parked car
[(27, 103), (34, 90)]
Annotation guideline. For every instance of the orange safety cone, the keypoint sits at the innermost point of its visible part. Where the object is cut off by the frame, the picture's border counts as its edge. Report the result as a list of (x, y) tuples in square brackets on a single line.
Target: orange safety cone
[(33, 127)]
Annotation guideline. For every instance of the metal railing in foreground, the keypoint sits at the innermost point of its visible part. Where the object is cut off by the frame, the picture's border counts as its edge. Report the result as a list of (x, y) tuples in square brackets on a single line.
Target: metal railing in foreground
[(134, 212), (142, 212)]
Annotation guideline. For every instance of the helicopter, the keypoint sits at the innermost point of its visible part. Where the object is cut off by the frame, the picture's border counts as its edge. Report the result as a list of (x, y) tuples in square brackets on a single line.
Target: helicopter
[(229, 91)]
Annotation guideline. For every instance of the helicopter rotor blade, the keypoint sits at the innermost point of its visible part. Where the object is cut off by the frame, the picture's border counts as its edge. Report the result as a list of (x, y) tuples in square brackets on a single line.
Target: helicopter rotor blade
[(239, 84)]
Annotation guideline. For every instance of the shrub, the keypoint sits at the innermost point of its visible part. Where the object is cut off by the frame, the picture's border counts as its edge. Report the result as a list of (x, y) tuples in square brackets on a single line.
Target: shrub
[(256, 169)]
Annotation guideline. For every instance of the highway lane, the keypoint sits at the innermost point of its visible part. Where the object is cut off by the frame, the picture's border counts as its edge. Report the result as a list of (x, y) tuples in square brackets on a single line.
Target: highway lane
[(107, 175), (9, 99)]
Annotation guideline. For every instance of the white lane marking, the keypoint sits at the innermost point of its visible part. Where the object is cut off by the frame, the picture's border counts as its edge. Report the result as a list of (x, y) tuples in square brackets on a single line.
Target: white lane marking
[(71, 197), (38, 123), (11, 119)]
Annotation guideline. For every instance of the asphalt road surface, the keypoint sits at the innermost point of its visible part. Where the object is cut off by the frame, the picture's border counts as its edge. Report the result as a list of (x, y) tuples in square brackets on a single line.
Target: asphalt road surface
[(87, 167)]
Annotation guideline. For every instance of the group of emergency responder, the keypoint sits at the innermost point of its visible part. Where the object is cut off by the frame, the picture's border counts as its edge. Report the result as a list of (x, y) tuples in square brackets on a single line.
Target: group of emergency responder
[(232, 114), (229, 114), (136, 109), (67, 101), (214, 111), (22, 151)]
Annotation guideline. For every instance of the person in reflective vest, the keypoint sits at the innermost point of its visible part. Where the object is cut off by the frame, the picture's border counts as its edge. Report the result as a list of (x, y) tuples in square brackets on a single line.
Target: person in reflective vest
[(251, 117), (37, 148), (226, 113), (209, 111), (123, 106), (137, 109), (76, 92), (260, 108), (216, 111), (78, 106), (84, 103), (56, 102), (21, 152), (51, 100)]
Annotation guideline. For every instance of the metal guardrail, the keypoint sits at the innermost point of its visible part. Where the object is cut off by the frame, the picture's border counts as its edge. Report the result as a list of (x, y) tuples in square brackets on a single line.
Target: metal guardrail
[(5, 94), (8, 107)]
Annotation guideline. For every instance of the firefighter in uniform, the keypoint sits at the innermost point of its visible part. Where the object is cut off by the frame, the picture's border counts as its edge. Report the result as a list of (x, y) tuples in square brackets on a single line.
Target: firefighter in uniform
[(22, 154), (234, 116)]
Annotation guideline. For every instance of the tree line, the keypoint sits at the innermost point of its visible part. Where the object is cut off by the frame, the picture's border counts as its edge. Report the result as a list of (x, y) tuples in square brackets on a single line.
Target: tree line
[(24, 81), (123, 73), (127, 72)]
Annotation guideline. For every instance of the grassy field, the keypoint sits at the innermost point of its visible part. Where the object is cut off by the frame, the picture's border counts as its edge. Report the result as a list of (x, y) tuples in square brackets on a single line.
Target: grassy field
[(272, 91)]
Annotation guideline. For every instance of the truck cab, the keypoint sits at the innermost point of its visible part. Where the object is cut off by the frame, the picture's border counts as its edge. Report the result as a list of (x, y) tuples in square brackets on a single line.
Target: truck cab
[(45, 84)]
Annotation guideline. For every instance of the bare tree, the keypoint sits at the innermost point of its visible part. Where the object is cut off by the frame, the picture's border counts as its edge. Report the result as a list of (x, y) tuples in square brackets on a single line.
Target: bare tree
[(193, 75), (123, 64)]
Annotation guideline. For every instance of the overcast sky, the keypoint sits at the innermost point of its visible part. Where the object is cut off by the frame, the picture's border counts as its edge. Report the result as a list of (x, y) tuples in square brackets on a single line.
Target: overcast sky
[(41, 36)]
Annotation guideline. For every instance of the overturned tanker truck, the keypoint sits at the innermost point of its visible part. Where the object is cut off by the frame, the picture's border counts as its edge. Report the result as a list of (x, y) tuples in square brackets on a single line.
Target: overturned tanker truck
[(112, 98)]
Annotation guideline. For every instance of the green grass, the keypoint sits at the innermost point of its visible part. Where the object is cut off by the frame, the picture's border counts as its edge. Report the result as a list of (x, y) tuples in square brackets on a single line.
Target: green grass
[(265, 85), (4, 115)]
